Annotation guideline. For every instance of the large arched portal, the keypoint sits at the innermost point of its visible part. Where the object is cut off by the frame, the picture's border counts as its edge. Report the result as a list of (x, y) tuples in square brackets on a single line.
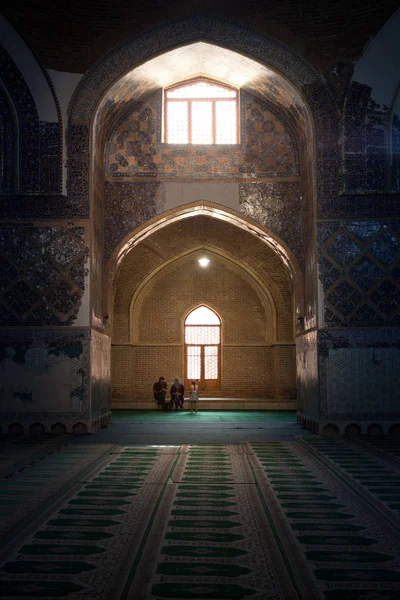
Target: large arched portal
[(135, 180), (250, 282)]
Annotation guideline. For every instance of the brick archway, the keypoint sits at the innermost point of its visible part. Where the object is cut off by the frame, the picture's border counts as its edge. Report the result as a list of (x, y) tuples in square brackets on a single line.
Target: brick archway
[(208, 209)]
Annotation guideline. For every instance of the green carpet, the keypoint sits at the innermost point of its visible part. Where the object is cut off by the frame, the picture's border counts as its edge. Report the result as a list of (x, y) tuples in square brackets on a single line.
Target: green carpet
[(206, 416)]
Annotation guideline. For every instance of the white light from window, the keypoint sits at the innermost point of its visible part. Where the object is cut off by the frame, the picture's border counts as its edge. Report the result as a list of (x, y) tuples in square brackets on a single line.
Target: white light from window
[(201, 90), (203, 262), (202, 316), (225, 117), (202, 334), (201, 112), (201, 123), (210, 362), (177, 122), (194, 362)]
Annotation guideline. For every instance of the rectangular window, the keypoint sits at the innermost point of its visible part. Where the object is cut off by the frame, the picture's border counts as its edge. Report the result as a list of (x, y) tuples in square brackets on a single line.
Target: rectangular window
[(201, 111), (226, 122), (202, 122), (177, 122), (211, 362), (202, 334)]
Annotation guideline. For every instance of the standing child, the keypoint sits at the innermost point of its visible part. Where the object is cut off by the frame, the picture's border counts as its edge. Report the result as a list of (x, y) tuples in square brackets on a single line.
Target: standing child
[(193, 396)]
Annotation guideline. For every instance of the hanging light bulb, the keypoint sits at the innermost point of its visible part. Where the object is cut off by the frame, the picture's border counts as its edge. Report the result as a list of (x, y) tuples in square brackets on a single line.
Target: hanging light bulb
[(203, 262)]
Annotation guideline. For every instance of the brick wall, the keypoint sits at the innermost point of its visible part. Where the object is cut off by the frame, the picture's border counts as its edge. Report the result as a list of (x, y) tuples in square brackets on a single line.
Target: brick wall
[(179, 289), (250, 367)]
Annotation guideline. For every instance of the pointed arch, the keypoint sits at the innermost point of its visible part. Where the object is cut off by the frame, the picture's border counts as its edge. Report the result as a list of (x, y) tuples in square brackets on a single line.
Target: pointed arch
[(202, 315), (186, 211)]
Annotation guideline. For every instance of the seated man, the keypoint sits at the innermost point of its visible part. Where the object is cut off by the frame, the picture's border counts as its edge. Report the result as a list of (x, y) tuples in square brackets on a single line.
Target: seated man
[(177, 392), (159, 392)]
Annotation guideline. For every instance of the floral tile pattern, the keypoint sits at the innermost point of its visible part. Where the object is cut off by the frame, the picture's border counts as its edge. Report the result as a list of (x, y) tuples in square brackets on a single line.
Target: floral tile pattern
[(45, 270)]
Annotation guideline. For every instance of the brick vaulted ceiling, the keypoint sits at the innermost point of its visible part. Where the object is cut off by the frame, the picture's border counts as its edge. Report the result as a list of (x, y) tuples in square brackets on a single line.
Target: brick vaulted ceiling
[(200, 231), (71, 35)]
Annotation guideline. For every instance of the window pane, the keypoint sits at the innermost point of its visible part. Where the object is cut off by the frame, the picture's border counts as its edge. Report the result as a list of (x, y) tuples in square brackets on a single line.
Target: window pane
[(202, 316), (202, 334), (201, 89), (210, 362), (226, 122), (177, 123), (202, 122), (193, 362)]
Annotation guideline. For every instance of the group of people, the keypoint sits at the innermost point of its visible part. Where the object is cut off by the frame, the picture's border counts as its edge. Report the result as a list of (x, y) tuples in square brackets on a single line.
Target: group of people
[(177, 395)]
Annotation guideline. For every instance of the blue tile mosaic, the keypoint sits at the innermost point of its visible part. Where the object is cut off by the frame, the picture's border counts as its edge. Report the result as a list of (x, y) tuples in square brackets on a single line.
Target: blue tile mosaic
[(387, 298), (345, 298), (365, 273), (386, 248), (344, 250)]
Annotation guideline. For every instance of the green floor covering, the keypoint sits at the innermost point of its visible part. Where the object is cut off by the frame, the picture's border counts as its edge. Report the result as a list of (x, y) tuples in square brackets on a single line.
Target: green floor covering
[(308, 519), (211, 416)]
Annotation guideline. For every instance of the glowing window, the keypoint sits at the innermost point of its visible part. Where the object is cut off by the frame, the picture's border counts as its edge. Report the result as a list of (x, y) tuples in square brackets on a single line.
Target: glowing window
[(201, 112), (202, 340), (202, 316)]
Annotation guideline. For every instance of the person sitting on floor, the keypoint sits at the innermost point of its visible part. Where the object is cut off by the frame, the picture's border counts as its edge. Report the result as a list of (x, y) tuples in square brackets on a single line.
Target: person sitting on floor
[(177, 392), (160, 391)]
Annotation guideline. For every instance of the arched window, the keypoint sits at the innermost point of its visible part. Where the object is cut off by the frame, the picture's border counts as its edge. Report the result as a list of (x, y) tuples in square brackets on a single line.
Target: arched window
[(203, 348), (201, 111)]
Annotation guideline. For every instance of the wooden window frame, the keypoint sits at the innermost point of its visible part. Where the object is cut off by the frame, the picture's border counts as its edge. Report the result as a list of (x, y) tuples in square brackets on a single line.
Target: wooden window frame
[(189, 112)]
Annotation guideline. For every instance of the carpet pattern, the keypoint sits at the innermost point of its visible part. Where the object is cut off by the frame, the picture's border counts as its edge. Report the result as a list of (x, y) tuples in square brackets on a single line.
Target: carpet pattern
[(41, 478), (306, 520)]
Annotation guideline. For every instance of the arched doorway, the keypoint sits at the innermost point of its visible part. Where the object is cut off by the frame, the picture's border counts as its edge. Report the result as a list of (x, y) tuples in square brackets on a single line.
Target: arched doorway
[(203, 348)]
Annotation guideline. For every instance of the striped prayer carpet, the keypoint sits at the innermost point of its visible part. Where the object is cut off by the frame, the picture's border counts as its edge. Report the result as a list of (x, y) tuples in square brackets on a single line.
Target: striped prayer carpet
[(311, 519)]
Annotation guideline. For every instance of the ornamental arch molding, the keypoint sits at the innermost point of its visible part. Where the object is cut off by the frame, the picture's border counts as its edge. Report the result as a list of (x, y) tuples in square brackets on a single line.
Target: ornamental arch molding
[(222, 214), (312, 100)]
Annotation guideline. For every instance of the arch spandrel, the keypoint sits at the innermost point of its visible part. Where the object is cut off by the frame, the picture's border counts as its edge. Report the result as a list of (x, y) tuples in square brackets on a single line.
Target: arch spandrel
[(139, 50)]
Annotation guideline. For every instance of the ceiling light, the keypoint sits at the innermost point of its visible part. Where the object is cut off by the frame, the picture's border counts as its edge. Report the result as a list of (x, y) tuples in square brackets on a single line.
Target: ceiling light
[(203, 262)]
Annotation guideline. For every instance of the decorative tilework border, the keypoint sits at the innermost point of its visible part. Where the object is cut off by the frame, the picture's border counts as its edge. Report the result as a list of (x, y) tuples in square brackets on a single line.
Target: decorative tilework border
[(363, 205), (50, 163), (40, 206), (382, 337)]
